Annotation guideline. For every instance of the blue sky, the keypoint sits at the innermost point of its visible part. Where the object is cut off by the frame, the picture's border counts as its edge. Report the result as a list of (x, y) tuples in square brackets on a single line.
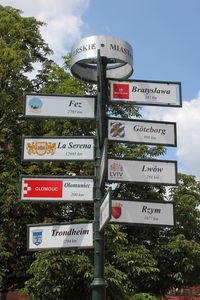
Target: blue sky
[(165, 36)]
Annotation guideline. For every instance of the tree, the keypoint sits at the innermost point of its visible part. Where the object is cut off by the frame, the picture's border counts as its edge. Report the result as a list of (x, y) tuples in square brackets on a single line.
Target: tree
[(187, 199), (21, 45), (183, 250), (177, 250)]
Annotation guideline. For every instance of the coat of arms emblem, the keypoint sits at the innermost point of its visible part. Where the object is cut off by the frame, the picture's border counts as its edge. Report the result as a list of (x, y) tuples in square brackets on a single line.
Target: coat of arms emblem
[(116, 210), (117, 129), (41, 148), (37, 237)]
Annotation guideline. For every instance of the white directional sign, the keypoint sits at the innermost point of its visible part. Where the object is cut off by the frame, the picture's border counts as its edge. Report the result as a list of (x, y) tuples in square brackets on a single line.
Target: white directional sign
[(105, 210), (56, 236), (58, 148), (142, 171), (143, 212), (103, 165), (147, 92), (55, 188), (147, 132), (59, 106)]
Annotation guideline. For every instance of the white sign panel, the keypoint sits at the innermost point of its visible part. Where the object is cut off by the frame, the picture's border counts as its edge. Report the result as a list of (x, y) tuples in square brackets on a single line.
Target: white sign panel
[(105, 210), (142, 171), (140, 212), (103, 162), (56, 236), (147, 132), (59, 106), (58, 148), (146, 92), (55, 188)]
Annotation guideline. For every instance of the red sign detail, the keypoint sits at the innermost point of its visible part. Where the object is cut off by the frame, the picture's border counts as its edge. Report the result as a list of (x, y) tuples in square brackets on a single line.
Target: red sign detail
[(116, 212), (42, 188), (121, 91)]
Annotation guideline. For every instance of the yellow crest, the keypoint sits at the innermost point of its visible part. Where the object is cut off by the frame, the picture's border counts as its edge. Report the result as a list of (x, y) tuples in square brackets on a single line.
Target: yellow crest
[(41, 148)]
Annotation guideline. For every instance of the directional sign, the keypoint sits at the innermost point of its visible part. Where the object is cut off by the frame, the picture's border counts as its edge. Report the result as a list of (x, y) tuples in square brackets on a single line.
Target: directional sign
[(146, 132), (105, 210), (57, 236), (59, 106), (147, 92), (58, 148), (142, 171), (103, 165), (56, 189), (143, 212)]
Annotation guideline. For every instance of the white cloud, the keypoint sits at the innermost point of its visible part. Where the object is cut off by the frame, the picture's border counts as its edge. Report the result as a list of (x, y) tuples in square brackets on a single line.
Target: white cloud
[(188, 132), (63, 18)]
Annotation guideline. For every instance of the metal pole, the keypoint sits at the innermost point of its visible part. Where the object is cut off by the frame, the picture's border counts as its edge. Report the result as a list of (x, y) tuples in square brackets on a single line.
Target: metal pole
[(99, 284)]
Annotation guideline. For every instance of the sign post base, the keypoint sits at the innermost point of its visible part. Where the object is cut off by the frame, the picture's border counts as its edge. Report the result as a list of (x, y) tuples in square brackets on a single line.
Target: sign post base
[(98, 289)]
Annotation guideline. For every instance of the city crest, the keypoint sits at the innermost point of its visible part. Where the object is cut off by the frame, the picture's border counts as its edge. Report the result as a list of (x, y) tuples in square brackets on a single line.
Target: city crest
[(116, 210), (117, 129), (37, 237), (41, 148)]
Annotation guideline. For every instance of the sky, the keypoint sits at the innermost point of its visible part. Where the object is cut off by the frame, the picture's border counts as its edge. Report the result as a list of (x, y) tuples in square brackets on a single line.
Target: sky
[(165, 37)]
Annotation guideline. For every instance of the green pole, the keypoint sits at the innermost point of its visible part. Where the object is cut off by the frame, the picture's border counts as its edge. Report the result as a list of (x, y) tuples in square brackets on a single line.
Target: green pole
[(99, 285)]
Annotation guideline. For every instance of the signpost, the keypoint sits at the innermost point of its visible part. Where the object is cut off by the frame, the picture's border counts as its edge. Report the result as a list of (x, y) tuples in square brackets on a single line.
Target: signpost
[(143, 212), (99, 284), (94, 60), (105, 210), (58, 148), (59, 106), (147, 92), (58, 236), (142, 132), (142, 171), (56, 189)]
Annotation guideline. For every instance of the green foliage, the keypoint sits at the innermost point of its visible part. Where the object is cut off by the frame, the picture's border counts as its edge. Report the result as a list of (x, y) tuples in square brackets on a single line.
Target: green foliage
[(116, 280), (143, 296), (20, 46), (139, 266), (187, 199), (61, 275), (133, 267), (184, 254), (137, 259)]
